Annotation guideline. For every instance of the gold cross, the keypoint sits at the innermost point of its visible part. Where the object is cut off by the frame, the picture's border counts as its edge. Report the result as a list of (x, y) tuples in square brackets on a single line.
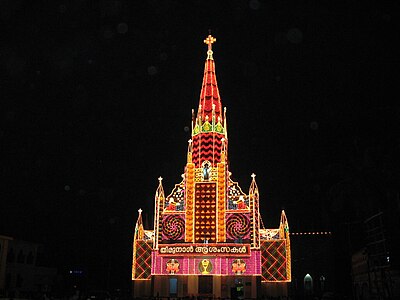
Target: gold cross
[(209, 41)]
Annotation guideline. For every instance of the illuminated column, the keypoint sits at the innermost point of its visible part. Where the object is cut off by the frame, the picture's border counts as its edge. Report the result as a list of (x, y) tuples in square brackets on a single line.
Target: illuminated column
[(221, 192), (159, 200), (137, 265), (213, 134), (254, 207), (135, 238), (284, 234), (189, 194)]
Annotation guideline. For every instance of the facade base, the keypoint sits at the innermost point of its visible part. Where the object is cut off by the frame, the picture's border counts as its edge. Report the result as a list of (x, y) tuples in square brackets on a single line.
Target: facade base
[(207, 286)]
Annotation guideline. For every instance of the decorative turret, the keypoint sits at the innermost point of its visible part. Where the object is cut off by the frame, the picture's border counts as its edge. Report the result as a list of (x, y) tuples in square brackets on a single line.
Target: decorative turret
[(284, 234), (138, 242), (139, 230), (255, 208), (284, 226), (158, 208)]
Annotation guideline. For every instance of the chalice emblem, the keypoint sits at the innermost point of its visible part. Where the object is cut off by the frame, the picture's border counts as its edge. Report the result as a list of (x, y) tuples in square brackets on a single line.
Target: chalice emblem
[(205, 266)]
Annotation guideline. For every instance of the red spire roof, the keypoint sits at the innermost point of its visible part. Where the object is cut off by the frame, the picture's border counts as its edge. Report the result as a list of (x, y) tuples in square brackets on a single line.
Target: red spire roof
[(209, 95), (208, 129)]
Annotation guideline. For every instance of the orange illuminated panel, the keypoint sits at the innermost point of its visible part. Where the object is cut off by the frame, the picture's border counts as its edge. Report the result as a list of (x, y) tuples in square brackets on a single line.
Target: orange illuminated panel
[(221, 202), (189, 202), (205, 212)]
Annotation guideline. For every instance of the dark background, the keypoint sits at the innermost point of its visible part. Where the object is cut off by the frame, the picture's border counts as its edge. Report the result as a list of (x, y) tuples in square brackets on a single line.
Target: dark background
[(96, 100)]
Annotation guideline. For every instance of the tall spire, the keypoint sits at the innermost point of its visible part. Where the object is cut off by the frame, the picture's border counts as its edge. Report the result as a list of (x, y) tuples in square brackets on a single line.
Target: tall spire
[(210, 100), (209, 123)]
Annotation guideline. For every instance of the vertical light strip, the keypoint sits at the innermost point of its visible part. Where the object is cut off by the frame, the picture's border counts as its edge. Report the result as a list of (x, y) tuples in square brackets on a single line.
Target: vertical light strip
[(156, 220), (189, 230), (221, 192)]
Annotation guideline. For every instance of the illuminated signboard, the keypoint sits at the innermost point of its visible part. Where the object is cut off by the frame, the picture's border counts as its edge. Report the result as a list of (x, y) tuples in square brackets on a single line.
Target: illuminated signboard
[(205, 249)]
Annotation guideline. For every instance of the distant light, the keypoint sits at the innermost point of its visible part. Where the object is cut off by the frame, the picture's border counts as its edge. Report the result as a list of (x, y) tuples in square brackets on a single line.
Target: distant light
[(186, 128), (311, 233), (67, 188), (76, 272)]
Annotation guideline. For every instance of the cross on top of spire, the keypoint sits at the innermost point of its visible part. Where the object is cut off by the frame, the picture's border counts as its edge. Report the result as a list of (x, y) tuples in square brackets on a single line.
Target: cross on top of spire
[(209, 41)]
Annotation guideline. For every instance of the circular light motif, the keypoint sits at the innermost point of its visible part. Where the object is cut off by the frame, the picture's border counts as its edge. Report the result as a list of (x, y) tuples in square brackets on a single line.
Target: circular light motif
[(238, 226), (173, 227)]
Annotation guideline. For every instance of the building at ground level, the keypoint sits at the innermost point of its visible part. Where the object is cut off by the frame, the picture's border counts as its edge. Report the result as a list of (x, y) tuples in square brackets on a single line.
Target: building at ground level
[(22, 271), (375, 274), (208, 237), (4, 242), (314, 260)]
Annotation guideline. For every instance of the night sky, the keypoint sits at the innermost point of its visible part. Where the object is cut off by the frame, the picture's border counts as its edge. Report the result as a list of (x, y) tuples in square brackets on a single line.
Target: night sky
[(96, 100)]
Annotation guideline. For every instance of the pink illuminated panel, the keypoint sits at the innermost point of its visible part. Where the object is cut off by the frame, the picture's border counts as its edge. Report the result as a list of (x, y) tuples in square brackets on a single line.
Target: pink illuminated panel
[(190, 265)]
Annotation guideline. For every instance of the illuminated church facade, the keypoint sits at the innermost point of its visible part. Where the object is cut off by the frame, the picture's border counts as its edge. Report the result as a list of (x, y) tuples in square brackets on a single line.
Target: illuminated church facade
[(208, 237)]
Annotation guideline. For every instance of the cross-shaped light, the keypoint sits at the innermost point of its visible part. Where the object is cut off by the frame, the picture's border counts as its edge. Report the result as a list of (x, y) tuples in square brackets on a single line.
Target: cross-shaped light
[(209, 41)]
